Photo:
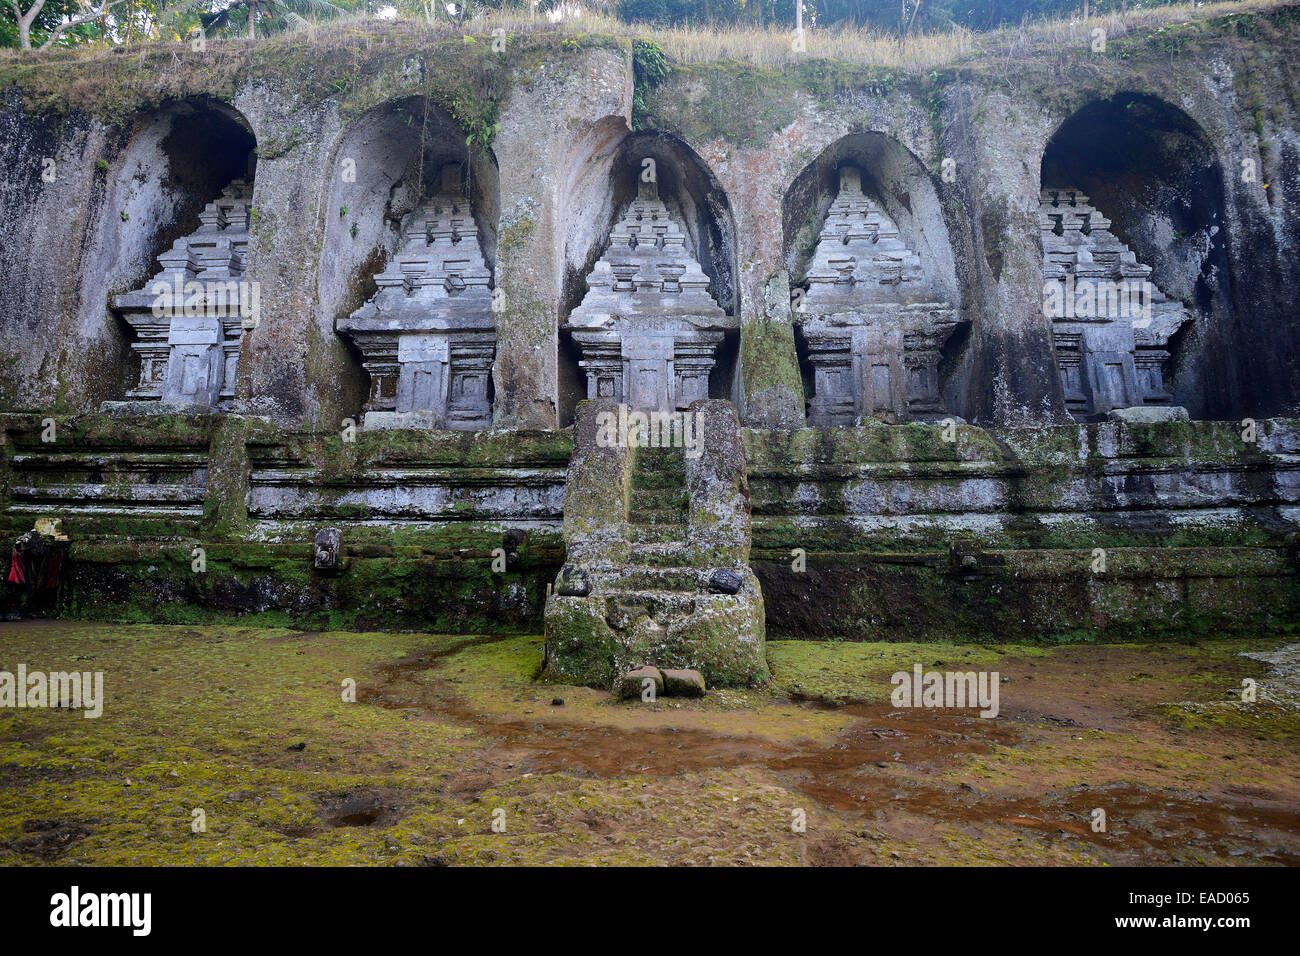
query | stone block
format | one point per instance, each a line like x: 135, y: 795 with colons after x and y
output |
x: 632, y: 684
x: 683, y: 683
x: 196, y: 365
x: 573, y: 581
x: 384, y: 421
x: 725, y: 581
x: 718, y: 488
x: 596, y: 491
x: 131, y: 409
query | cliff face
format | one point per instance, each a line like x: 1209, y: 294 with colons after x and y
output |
x: 1185, y: 136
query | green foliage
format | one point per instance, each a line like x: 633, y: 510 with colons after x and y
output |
x: 483, y: 131
x: 52, y: 14
x: 649, y: 69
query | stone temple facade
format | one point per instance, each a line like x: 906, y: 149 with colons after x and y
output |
x: 1110, y: 323
x: 428, y: 336
x: 873, y: 327
x: 676, y: 554
x: 191, y: 317
x: 648, y: 328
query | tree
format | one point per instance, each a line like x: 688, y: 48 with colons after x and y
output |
x: 242, y: 16
x: 86, y: 13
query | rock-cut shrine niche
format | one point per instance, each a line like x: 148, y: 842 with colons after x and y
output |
x: 872, y: 324
x: 428, y: 335
x: 1110, y: 323
x: 191, y: 317
x: 648, y: 329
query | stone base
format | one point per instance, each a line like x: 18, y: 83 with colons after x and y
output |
x: 383, y: 421
x: 1147, y: 414
x: 937, y: 418
x: 592, y: 640
x: 154, y: 407
x: 427, y: 420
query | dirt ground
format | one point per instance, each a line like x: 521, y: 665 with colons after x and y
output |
x: 228, y: 745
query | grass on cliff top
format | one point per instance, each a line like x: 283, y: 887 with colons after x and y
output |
x: 769, y: 47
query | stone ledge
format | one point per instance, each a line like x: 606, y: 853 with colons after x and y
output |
x: 1147, y: 414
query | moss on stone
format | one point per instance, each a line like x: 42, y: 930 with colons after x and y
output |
x: 768, y: 359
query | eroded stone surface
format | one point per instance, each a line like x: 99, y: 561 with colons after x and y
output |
x: 633, y: 684
x: 683, y: 683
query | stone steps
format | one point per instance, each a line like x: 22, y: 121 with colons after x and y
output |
x: 659, y: 508
x: 656, y: 533
x: 659, y: 515
x: 629, y: 579
x: 645, y: 579
x: 657, y: 597
x: 661, y: 554
x: 660, y: 461
x: 654, y: 480
x: 659, y: 472
x: 656, y: 602
x: 666, y: 502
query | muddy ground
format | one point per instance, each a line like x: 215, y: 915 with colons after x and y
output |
x: 453, y: 754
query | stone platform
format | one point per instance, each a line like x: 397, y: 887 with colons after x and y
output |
x: 657, y: 548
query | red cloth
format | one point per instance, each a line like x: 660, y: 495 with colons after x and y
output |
x: 16, y: 575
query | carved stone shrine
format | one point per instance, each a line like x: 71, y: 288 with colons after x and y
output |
x: 873, y: 326
x: 648, y: 328
x: 190, y: 318
x: 428, y: 336
x: 1110, y: 324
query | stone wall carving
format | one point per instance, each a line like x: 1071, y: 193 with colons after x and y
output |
x: 873, y: 327
x: 1110, y: 323
x: 648, y: 328
x: 190, y: 318
x: 428, y: 336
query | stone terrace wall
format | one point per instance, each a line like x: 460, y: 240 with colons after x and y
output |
x: 905, y: 535
x: 423, y: 517
x: 997, y: 532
